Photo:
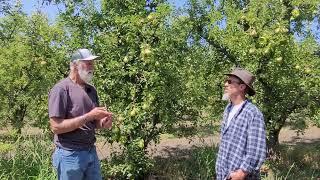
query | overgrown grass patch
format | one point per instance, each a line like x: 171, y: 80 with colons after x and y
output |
x: 194, y: 163
x: 300, y: 161
x: 30, y: 158
x: 27, y: 159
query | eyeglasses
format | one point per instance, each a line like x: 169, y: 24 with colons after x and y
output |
x: 229, y: 81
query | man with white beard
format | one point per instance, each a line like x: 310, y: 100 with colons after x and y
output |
x: 74, y: 114
x: 242, y: 148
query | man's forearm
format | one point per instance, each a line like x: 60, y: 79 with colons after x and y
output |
x: 59, y: 126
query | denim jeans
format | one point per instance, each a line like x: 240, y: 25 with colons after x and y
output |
x: 76, y: 165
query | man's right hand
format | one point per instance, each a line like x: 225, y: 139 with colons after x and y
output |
x: 97, y: 113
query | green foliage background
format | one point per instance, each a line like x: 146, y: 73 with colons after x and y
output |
x: 163, y: 67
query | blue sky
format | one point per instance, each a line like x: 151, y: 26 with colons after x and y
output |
x: 52, y: 10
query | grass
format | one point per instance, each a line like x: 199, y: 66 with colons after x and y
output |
x: 30, y: 158
x: 27, y: 159
x: 300, y: 161
x: 195, y: 163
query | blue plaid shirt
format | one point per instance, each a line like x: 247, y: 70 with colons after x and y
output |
x: 242, y: 143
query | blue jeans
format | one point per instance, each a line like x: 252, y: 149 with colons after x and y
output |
x: 77, y: 165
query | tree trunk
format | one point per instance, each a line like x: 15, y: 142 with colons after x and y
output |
x: 273, y: 142
x: 17, y: 120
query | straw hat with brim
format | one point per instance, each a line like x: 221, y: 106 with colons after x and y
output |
x: 83, y: 55
x: 246, y: 77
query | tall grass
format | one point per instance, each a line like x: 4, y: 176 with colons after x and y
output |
x: 30, y: 158
x: 195, y: 163
x: 300, y: 161
x: 27, y: 158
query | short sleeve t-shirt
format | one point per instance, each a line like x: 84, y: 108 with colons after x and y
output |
x: 234, y: 110
x: 69, y: 100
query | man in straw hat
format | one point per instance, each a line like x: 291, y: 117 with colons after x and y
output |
x: 242, y: 148
x: 74, y: 114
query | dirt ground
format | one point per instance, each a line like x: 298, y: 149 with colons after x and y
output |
x: 168, y: 146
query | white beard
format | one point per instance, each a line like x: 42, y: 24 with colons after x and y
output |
x: 225, y: 97
x: 86, y: 76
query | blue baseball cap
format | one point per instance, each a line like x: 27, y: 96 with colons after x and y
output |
x: 83, y: 54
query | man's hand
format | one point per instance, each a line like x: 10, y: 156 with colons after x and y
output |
x: 238, y: 175
x: 106, y: 122
x: 97, y: 113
